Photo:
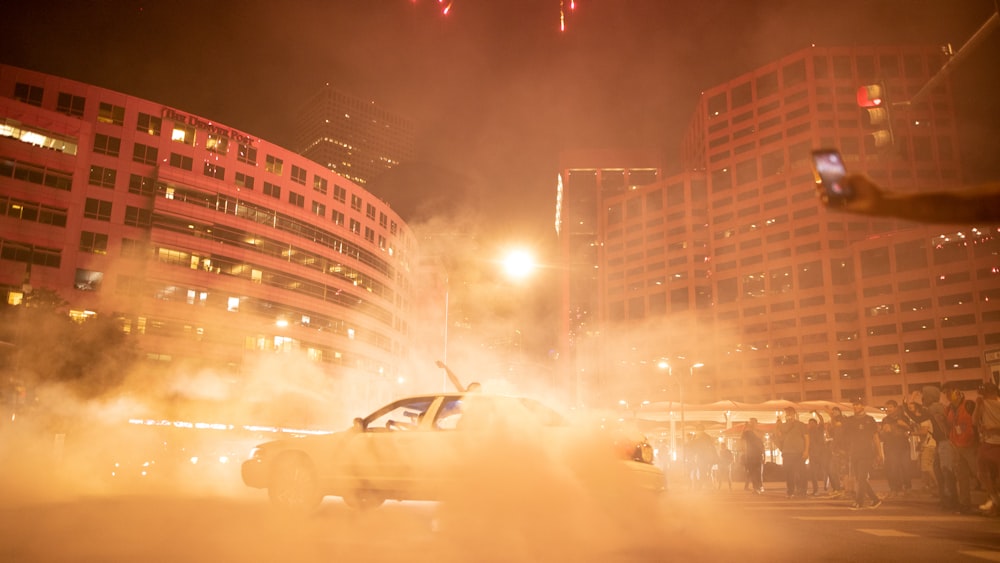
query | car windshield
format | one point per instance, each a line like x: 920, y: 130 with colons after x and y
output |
x: 401, y: 415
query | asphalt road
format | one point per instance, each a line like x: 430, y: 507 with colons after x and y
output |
x: 683, y: 526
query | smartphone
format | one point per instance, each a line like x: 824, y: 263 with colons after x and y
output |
x: 829, y: 171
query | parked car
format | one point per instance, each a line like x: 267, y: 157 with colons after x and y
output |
x: 426, y: 447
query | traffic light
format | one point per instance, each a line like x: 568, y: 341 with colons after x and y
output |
x: 875, y: 114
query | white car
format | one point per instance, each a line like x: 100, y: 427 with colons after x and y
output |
x: 426, y: 447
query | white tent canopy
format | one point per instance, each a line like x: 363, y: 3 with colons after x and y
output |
x: 729, y: 412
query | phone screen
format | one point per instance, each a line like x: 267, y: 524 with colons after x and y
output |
x: 829, y: 169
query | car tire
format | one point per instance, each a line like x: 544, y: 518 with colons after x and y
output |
x: 363, y: 499
x: 293, y: 485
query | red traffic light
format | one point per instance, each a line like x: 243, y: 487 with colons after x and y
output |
x: 870, y: 96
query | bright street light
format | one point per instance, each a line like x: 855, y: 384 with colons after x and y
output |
x: 518, y: 264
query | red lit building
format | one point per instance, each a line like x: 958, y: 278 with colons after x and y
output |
x: 734, y: 263
x: 213, y: 245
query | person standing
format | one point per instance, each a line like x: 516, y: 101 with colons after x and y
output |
x: 818, y: 454
x: 839, y: 456
x: 865, y: 451
x: 793, y: 437
x: 943, y: 451
x: 753, y: 448
x: 965, y: 444
x: 987, y: 420
x: 896, y: 445
x: 702, y: 448
x: 924, y: 431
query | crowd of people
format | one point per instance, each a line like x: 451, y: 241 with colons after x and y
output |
x: 936, y: 443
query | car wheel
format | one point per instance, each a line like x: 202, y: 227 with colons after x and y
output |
x: 362, y: 499
x: 294, y: 486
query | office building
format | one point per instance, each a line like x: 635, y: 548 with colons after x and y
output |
x: 354, y: 137
x: 215, y: 247
x: 735, y: 264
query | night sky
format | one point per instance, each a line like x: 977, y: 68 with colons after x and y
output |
x: 495, y: 89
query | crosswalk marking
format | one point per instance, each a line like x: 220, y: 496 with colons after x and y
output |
x: 981, y: 554
x: 880, y: 516
x: 886, y: 533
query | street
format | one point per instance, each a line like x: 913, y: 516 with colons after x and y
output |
x: 685, y: 526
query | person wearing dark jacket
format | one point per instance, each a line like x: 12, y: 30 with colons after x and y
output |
x: 865, y: 452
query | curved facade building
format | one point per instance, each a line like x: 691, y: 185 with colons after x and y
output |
x: 213, y: 246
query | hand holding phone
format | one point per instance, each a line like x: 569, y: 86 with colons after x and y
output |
x: 829, y: 171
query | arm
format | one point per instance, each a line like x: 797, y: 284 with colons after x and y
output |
x: 878, y: 446
x: 971, y: 205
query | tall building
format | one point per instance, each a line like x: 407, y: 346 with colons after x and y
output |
x: 351, y: 136
x: 736, y: 265
x: 215, y: 247
x: 586, y: 178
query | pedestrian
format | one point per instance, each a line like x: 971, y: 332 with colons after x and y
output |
x: 793, y: 439
x: 927, y: 446
x: 987, y: 420
x: 702, y: 448
x: 895, y: 435
x: 725, y: 467
x: 865, y: 452
x: 839, y: 466
x: 943, y: 452
x: 965, y: 445
x: 753, y: 449
x: 818, y: 454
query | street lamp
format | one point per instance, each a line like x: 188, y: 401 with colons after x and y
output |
x: 664, y: 364
x: 518, y: 264
x: 681, y: 388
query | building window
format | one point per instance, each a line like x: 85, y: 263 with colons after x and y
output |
x: 217, y: 144
x: 183, y: 133
x: 272, y: 190
x: 96, y: 243
x: 383, y: 220
x: 369, y: 234
x: 149, y: 124
x: 141, y: 185
x: 298, y: 200
x: 318, y: 209
x: 244, y: 180
x: 355, y: 226
x: 215, y: 171
x: 144, y: 154
x: 97, y: 209
x: 70, y: 104
x: 339, y: 193
x: 109, y: 113
x: 105, y: 144
x: 101, y: 176
x: 274, y: 165
x: 319, y: 184
x: 247, y: 154
x: 370, y: 211
x: 958, y: 320
x: 298, y: 175
x: 355, y: 202
x: 794, y: 73
x: 717, y: 104
x: 181, y: 161
x: 135, y: 217
x: 28, y: 94
x: 337, y: 217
